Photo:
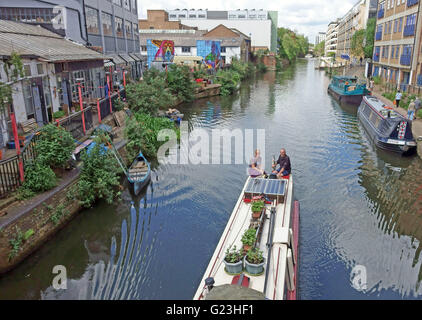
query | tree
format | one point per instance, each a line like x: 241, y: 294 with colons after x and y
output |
x: 319, y: 49
x: 291, y: 44
x: 357, y: 44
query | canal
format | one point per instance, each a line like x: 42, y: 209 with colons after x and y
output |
x: 359, y: 207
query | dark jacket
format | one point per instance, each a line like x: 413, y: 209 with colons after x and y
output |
x: 284, y: 162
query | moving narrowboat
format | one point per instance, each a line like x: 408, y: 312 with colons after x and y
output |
x: 387, y: 128
x: 139, y: 174
x: 276, y: 230
x: 348, y: 90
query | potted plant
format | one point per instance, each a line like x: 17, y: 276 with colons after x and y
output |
x: 257, y: 207
x: 254, y: 262
x: 248, y: 239
x: 233, y: 261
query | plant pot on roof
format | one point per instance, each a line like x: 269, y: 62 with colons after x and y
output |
x: 254, y: 262
x: 257, y: 208
x: 248, y: 239
x: 233, y: 261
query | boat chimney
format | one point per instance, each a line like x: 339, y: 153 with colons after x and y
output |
x: 209, y: 282
x: 389, y: 114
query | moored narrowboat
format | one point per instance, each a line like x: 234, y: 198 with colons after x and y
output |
x: 348, y: 90
x: 388, y: 129
x: 276, y: 230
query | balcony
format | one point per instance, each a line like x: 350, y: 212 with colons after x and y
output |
x: 405, y: 59
x: 380, y: 13
x: 411, y: 3
x: 378, y: 36
x: 409, y: 30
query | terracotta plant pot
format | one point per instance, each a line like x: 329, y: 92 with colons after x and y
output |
x: 257, y: 214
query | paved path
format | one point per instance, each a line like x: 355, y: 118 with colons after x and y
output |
x: 416, y: 124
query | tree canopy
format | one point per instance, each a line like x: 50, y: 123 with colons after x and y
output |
x: 291, y: 44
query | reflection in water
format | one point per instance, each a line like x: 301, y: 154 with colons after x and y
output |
x: 359, y: 206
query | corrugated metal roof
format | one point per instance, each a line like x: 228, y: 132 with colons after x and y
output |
x: 29, y: 40
x: 117, y: 59
x: 126, y: 57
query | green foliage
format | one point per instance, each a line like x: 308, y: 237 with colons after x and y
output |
x: 257, y: 206
x: 14, y: 61
x: 377, y: 80
x: 149, y: 95
x: 119, y: 105
x: 58, y: 214
x: 38, y: 178
x: 16, y: 243
x: 200, y: 73
x: 255, y: 256
x: 233, y: 255
x: 29, y: 233
x: 141, y: 132
x: 54, y: 146
x: 370, y: 37
x: 291, y: 45
x: 99, y: 178
x: 229, y: 81
x: 5, y: 96
x: 357, y: 43
x: 180, y: 82
x: 249, y: 237
x: 319, y: 49
x: 59, y: 114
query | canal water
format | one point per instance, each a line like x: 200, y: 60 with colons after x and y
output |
x: 360, y: 208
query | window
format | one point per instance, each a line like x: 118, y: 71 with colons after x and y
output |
x: 395, y: 25
x: 201, y: 16
x: 173, y: 16
x: 223, y: 49
x: 118, y: 2
x: 128, y: 28
x: 397, y: 52
x: 27, y: 70
x: 40, y: 69
x: 43, y: 15
x: 92, y: 20
x: 107, y: 27
x: 135, y: 29
x: 192, y: 16
x: 144, y: 48
x: 118, y: 25
x: 126, y: 4
x: 185, y: 49
x: 133, y: 4
x: 27, y: 95
x: 47, y: 93
x: 400, y: 24
x: 182, y: 16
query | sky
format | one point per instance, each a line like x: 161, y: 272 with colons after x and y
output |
x: 308, y: 17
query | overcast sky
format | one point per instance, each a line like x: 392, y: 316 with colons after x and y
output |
x: 306, y: 16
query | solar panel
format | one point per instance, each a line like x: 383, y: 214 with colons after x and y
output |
x: 272, y: 188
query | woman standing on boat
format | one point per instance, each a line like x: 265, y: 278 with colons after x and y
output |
x: 255, y: 169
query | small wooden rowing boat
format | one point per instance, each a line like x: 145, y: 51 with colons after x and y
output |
x: 139, y: 174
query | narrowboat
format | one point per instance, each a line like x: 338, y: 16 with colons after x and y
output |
x: 348, y: 90
x: 139, y: 174
x: 276, y: 230
x: 388, y: 129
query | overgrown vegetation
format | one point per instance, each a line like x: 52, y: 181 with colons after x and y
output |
x: 319, y: 49
x: 54, y: 146
x: 141, y: 132
x: 17, y: 241
x: 99, y: 178
x: 231, y: 78
x: 291, y: 44
x: 180, y: 82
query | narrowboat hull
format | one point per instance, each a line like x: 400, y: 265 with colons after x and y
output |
x: 400, y: 147
x: 354, y: 99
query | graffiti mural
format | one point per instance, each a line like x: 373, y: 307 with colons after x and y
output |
x: 210, y: 51
x: 160, y: 51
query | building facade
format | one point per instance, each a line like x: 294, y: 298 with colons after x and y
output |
x: 320, y: 37
x: 53, y: 70
x: 396, y: 55
x: 331, y: 38
x: 110, y: 26
x: 259, y: 25
x: 355, y: 19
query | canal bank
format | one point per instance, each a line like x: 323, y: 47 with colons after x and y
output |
x: 359, y: 206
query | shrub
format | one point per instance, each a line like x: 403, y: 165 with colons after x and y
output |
x: 249, y: 237
x: 233, y: 255
x: 54, y: 146
x: 180, y: 82
x: 141, y: 132
x: 38, y: 178
x: 149, y: 95
x: 99, y: 177
x: 377, y: 80
x: 59, y: 114
x: 229, y: 80
x: 255, y: 256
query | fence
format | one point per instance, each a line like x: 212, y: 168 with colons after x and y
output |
x: 408, y: 88
x: 9, y: 168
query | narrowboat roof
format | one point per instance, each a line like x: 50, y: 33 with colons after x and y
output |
x: 381, y: 108
x: 344, y: 78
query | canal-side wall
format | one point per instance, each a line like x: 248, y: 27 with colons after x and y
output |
x: 27, y: 227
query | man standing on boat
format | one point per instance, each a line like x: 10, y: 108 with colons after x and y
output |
x: 398, y: 98
x: 284, y: 165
